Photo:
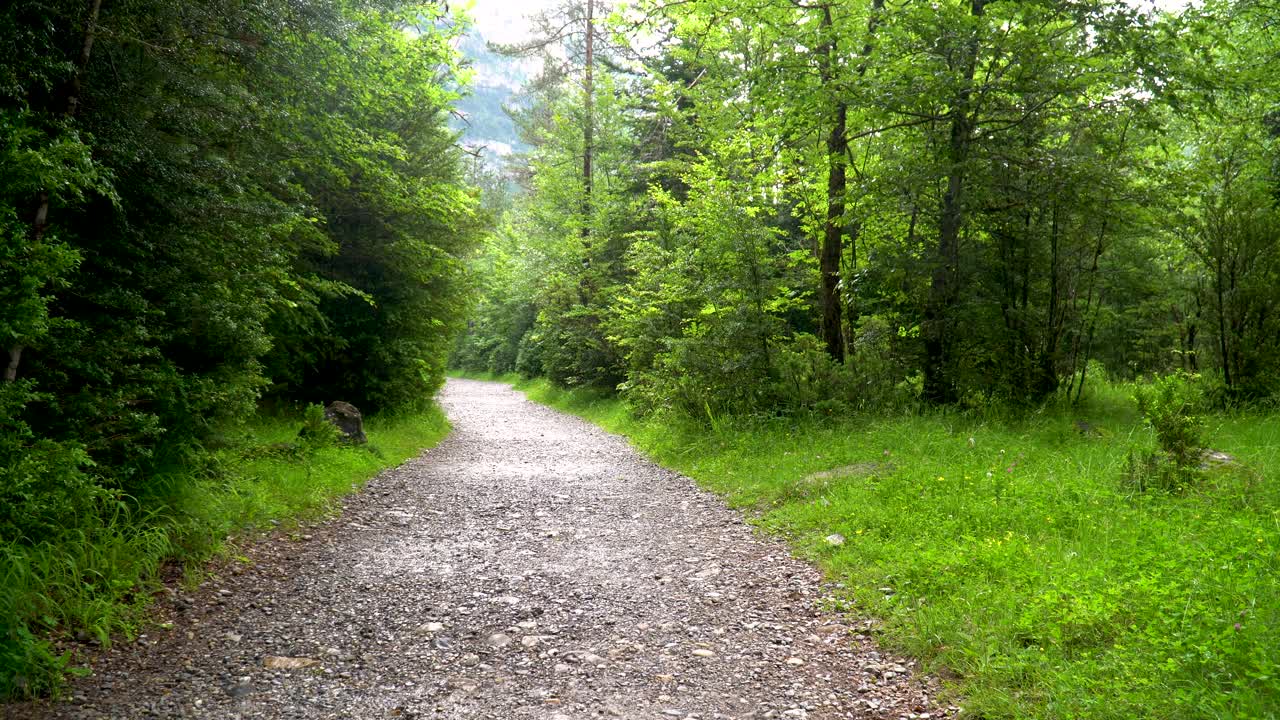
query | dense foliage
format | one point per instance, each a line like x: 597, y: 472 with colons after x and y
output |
x: 203, y: 204
x: 839, y: 205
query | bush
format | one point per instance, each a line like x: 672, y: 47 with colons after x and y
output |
x: 878, y: 362
x: 45, y: 486
x: 529, y: 355
x: 1168, y: 405
x: 808, y: 378
x: 317, y: 432
x: 28, y: 665
x: 721, y: 364
x: 45, y: 491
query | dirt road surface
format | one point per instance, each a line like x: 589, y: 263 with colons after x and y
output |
x: 530, y: 566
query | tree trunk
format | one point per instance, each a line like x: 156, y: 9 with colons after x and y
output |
x: 11, y: 370
x: 939, y: 385
x: 836, y: 227
x: 589, y: 124
x: 1089, y: 317
x: 837, y: 183
x: 86, y: 48
x: 1223, y: 352
x: 1084, y: 368
x: 1047, y: 369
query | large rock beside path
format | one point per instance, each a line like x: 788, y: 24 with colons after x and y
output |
x: 348, y: 420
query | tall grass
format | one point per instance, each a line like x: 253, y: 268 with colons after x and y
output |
x: 1008, y: 553
x: 95, y: 581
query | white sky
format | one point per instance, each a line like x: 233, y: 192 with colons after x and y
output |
x: 504, y: 21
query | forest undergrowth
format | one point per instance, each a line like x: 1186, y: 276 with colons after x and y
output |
x: 94, y: 584
x: 1012, y: 553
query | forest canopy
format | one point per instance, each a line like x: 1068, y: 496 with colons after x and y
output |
x: 206, y: 203
x: 780, y: 205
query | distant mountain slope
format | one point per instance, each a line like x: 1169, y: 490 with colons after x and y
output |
x: 497, y: 79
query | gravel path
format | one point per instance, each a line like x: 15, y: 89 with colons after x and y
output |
x: 531, y: 566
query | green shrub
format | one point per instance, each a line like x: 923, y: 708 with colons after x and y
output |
x: 317, y: 432
x: 881, y: 374
x: 808, y: 378
x: 1169, y: 406
x: 44, y: 484
x: 29, y: 667
x: 46, y: 489
x: 529, y: 355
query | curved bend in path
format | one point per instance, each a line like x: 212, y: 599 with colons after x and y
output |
x: 530, y: 566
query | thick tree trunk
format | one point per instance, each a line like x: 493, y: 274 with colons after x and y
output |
x: 833, y: 238
x: 939, y: 385
x: 833, y: 230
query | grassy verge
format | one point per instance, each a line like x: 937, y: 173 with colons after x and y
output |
x: 1009, y: 555
x: 95, y: 581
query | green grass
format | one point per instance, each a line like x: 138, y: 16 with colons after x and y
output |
x: 96, y: 581
x: 1008, y: 554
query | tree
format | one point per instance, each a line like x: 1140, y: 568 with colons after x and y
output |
x: 567, y: 41
x: 986, y: 190
x: 187, y: 152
